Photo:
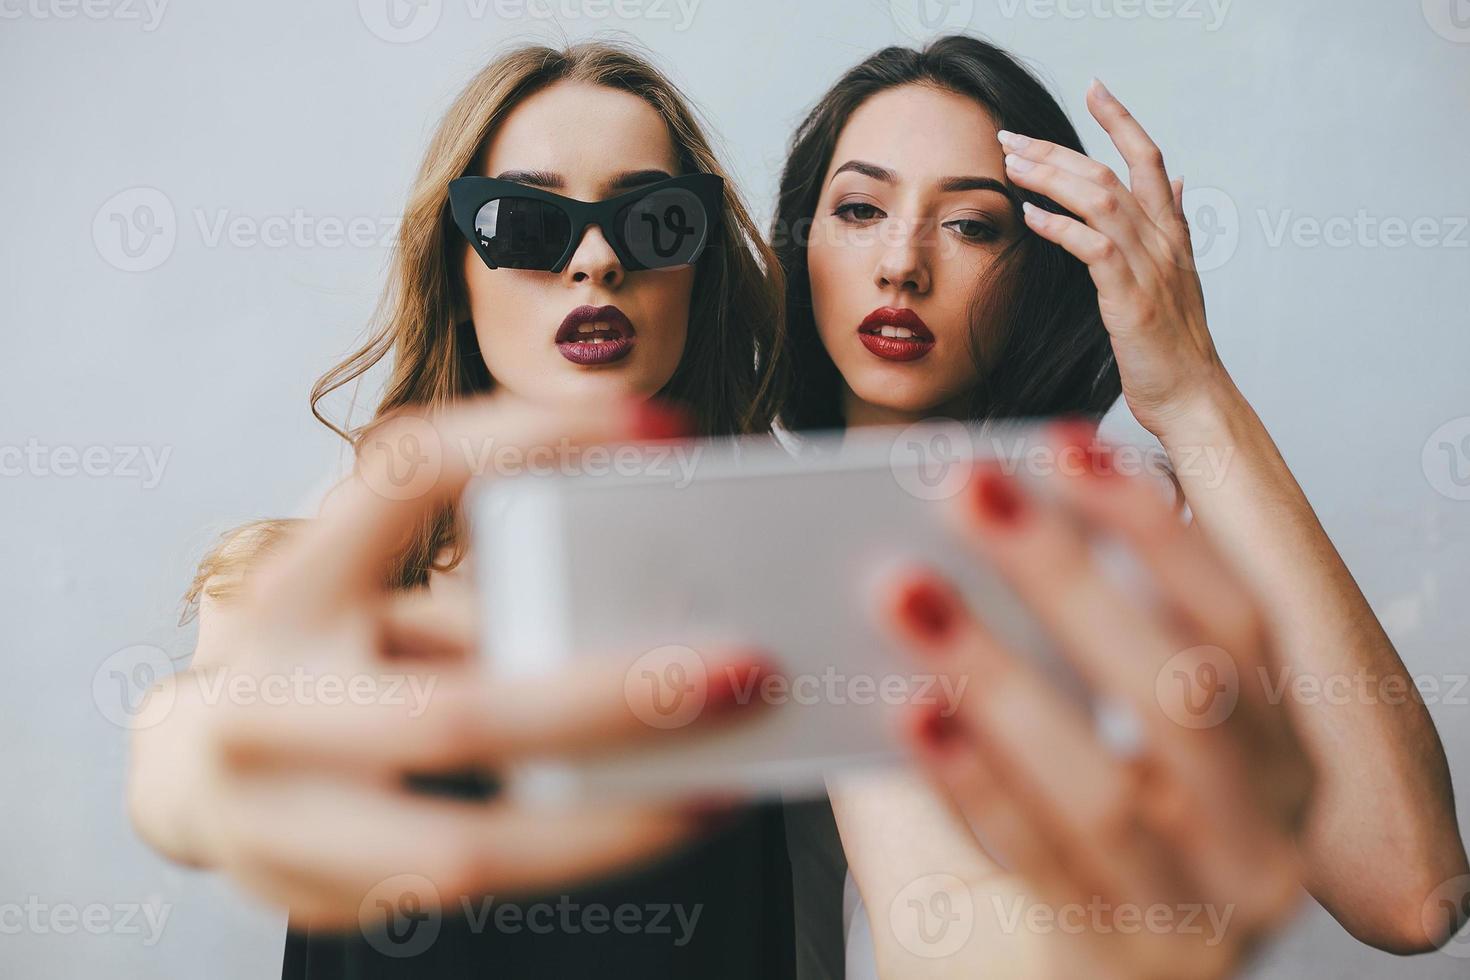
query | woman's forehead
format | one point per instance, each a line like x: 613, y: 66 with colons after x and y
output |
x: 920, y: 129
x: 587, y: 134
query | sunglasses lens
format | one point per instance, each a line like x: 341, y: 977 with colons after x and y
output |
x: 521, y: 233
x: 665, y: 229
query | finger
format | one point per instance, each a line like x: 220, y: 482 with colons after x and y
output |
x: 1235, y: 854
x: 1211, y: 608
x: 955, y: 764
x: 1216, y: 815
x: 1041, y: 742
x: 1105, y: 263
x: 1004, y: 818
x: 999, y: 813
x: 407, y: 469
x: 291, y: 845
x: 1065, y: 159
x: 1043, y: 553
x: 1208, y: 602
x: 1108, y: 209
x: 1179, y: 230
x: 430, y: 625
x: 1146, y: 172
x: 1119, y: 646
x: 456, y: 718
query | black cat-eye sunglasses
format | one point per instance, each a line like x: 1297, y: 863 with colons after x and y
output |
x: 514, y: 226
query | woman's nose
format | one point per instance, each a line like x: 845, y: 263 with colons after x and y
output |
x: 595, y: 261
x: 904, y: 264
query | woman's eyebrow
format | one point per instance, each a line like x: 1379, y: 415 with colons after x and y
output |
x: 947, y: 185
x: 637, y: 178
x: 533, y: 178
x: 553, y: 181
x: 867, y: 170
x: 951, y: 184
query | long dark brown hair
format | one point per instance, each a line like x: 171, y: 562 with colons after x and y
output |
x: 1036, y: 306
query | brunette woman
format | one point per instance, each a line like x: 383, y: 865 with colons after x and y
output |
x: 950, y: 251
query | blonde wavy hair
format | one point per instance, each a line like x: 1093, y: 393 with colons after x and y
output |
x: 732, y: 377
x: 221, y: 573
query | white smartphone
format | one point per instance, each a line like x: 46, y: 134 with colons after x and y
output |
x: 741, y: 542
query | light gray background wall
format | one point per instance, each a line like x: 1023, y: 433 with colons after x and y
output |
x: 1346, y: 117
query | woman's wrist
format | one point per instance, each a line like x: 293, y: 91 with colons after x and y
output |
x: 1216, y: 415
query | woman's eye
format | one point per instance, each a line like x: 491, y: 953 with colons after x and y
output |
x: 857, y: 211
x: 974, y: 229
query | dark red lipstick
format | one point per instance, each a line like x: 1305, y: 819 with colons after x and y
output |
x: 896, y: 334
x: 595, y: 335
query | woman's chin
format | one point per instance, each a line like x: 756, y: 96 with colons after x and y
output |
x: 906, y: 397
x: 608, y: 382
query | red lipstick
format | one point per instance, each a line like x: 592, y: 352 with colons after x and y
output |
x: 895, y: 334
x: 595, y: 335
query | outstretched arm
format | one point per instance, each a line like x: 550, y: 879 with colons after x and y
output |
x: 1382, y: 835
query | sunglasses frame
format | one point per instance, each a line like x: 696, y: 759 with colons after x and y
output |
x: 467, y: 195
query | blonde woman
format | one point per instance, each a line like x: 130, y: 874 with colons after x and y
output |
x: 570, y: 246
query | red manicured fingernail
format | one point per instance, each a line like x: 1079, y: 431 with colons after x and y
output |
x: 662, y: 420
x: 1075, y: 433
x: 934, y: 728
x: 996, y: 497
x: 735, y: 685
x: 928, y: 609
x: 1080, y: 435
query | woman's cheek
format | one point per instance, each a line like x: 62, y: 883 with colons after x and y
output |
x: 507, y: 322
x: 825, y: 270
x: 673, y: 340
x: 660, y: 305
